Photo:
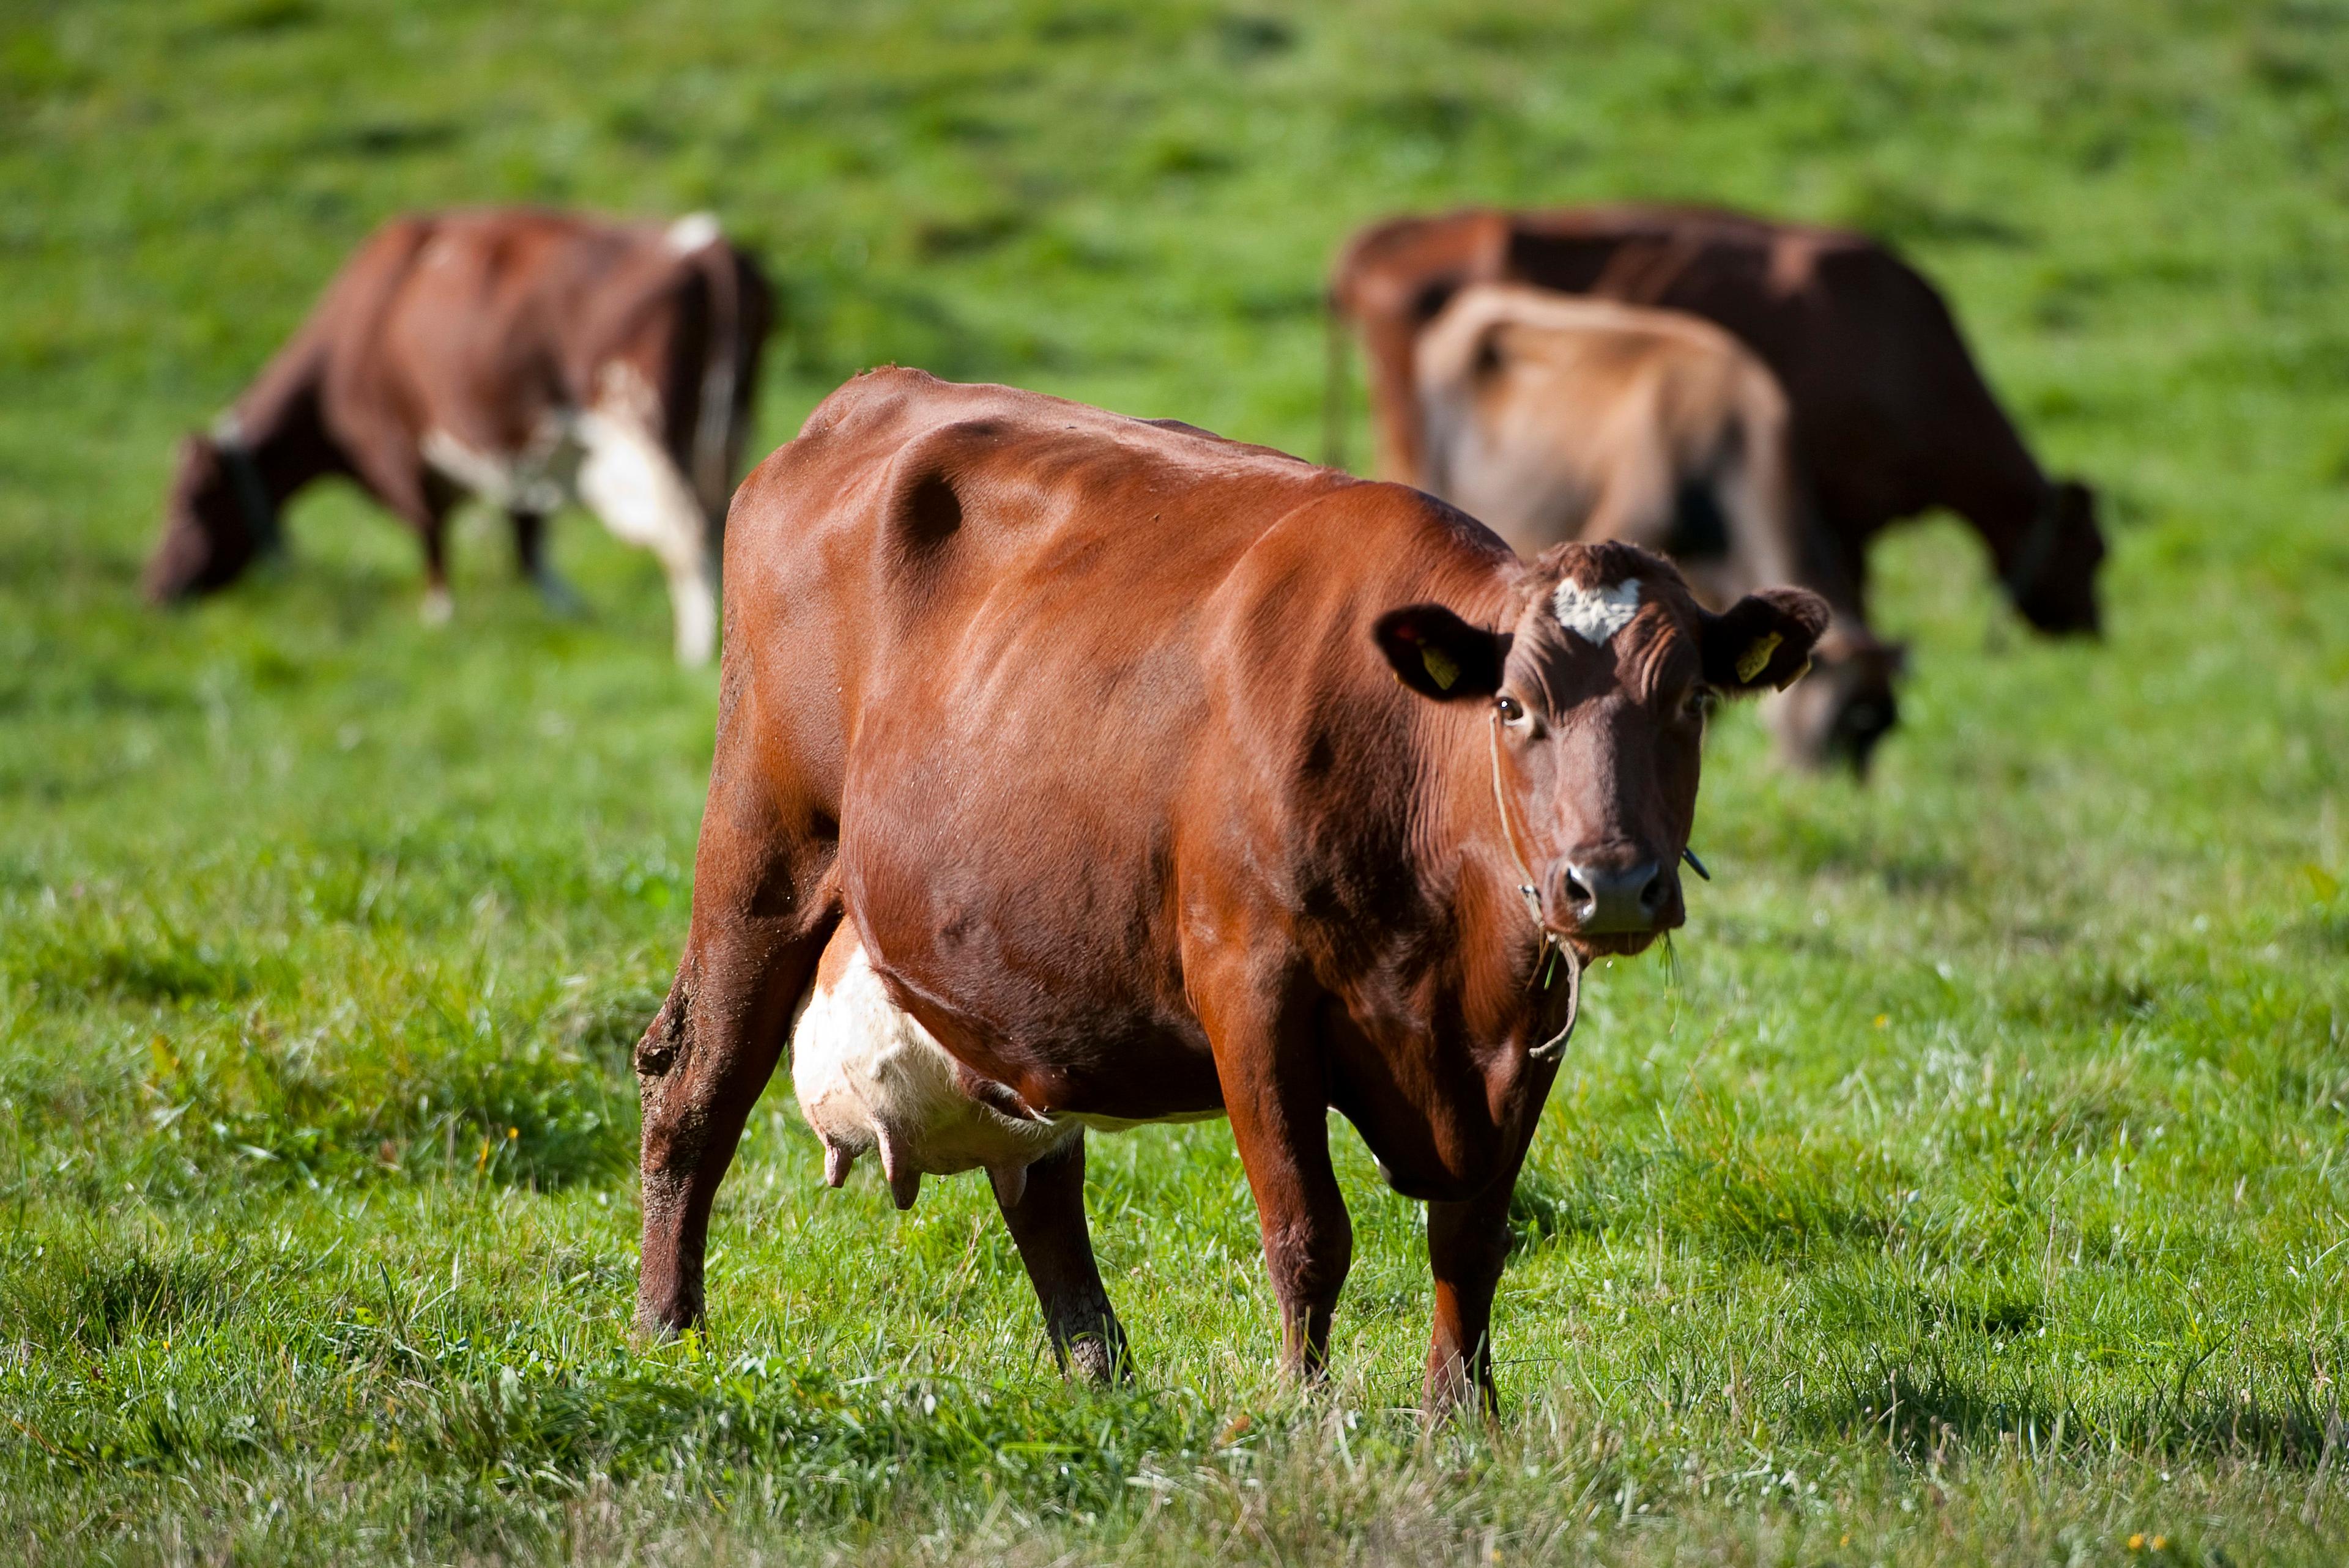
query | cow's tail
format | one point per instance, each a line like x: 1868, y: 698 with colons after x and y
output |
x: 711, y: 459
x: 1333, y: 381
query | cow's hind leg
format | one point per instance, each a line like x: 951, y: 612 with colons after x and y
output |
x: 762, y: 910
x: 628, y: 481
x: 1048, y: 1223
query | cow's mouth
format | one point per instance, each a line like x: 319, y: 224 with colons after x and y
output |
x: 1614, y: 943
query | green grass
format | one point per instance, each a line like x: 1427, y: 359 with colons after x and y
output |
x: 1974, y: 1188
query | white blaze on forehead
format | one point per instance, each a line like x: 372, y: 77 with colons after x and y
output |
x: 1596, y: 615
x: 692, y: 231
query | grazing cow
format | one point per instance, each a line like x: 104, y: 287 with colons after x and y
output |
x: 1079, y: 740
x: 1891, y: 417
x: 1550, y: 417
x: 523, y: 358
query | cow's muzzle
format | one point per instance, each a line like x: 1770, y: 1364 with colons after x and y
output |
x: 1594, y: 898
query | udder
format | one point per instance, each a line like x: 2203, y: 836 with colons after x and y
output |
x: 869, y: 1077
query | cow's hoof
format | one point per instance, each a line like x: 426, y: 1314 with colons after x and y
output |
x: 655, y: 1328
x: 1096, y: 1360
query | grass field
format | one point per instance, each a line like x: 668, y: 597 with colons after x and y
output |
x: 1974, y: 1189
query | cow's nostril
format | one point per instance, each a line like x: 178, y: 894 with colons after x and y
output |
x: 1602, y: 899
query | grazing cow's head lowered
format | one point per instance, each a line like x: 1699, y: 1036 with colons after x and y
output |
x: 217, y: 518
x: 1835, y: 714
x: 1596, y: 699
x: 2051, y: 573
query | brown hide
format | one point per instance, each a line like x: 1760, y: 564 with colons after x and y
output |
x: 489, y: 330
x: 1554, y: 417
x: 1891, y: 416
x: 1091, y: 727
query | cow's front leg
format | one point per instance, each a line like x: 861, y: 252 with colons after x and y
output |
x: 1048, y: 1224
x: 1467, y: 1246
x: 1277, y: 1095
x: 1308, y: 1241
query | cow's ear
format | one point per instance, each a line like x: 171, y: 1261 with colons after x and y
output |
x: 1763, y: 640
x: 1438, y: 655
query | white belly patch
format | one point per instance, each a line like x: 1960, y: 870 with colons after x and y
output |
x: 869, y: 1077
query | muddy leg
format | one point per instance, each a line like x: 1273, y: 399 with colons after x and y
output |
x: 1048, y: 1224
x: 759, y: 921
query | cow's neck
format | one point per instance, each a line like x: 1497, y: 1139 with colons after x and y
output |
x: 273, y: 441
x: 1461, y: 1084
x: 2011, y: 502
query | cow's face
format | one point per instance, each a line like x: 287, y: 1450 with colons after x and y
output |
x: 1594, y: 709
x: 206, y: 540
x: 1835, y: 715
x: 2054, y: 576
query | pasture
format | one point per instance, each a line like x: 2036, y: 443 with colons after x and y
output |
x: 1970, y: 1185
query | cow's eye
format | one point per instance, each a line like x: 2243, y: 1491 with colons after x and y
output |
x: 1509, y: 708
x: 1697, y: 706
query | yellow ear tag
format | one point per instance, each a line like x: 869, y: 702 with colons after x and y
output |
x: 1756, y: 657
x: 1440, y: 669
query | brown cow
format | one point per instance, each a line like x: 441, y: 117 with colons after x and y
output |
x: 1550, y: 417
x: 524, y: 357
x: 1891, y: 417
x: 1088, y: 731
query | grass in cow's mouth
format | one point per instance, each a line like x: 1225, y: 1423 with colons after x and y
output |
x: 1977, y: 1191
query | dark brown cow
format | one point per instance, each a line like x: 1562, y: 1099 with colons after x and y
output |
x: 1891, y: 417
x: 523, y: 358
x: 1086, y: 731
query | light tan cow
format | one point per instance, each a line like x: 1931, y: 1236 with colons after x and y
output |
x: 1552, y: 418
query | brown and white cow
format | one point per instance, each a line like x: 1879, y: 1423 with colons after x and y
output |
x: 1552, y: 416
x: 527, y: 358
x: 1079, y: 740
x: 1891, y: 416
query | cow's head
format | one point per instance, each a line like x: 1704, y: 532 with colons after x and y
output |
x: 2051, y: 577
x: 208, y: 537
x: 1835, y: 715
x: 1595, y: 702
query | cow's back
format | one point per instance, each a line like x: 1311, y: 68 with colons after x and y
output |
x: 1539, y: 407
x: 500, y: 316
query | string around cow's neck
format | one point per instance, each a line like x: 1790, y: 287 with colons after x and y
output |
x: 1555, y: 951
